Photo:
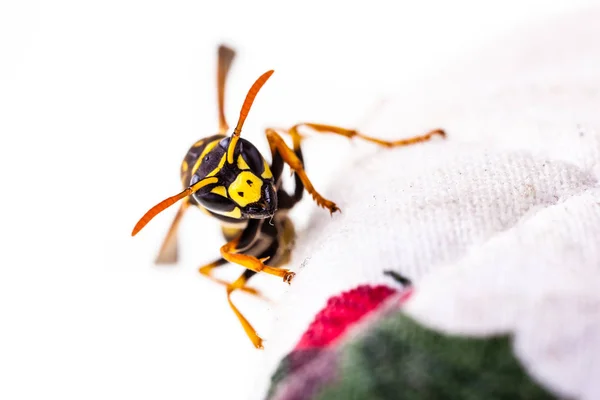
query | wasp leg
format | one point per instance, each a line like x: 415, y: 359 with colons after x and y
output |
x: 169, y: 253
x: 290, y: 158
x: 286, y: 201
x: 350, y: 133
x: 229, y: 251
x: 207, y: 269
x: 239, y: 284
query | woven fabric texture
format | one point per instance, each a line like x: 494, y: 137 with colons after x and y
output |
x: 498, y: 226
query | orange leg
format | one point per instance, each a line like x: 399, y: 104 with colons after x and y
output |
x: 207, y: 269
x: 289, y: 157
x: 168, y: 253
x: 228, y: 252
x: 350, y: 133
x: 250, y: 331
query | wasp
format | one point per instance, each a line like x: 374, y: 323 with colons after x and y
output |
x: 227, y: 177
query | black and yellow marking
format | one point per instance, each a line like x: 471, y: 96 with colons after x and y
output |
x: 195, y: 154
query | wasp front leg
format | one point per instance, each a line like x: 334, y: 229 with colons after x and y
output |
x: 280, y: 149
x: 231, y: 252
x: 239, y: 284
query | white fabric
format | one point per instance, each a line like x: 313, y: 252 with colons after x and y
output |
x: 498, y: 225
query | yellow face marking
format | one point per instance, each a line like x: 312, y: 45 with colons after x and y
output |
x: 184, y: 166
x: 199, y: 143
x: 241, y: 163
x: 235, y: 213
x: 221, y: 163
x: 267, y: 172
x: 245, y: 189
x: 208, y: 148
x: 220, y: 190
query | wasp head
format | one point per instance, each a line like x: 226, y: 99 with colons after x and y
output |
x: 245, y: 187
x: 232, y: 178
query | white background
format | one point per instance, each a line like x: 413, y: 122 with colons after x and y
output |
x: 99, y: 102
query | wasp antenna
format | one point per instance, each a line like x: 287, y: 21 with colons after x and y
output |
x: 250, y: 99
x: 168, y: 202
x: 244, y: 112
